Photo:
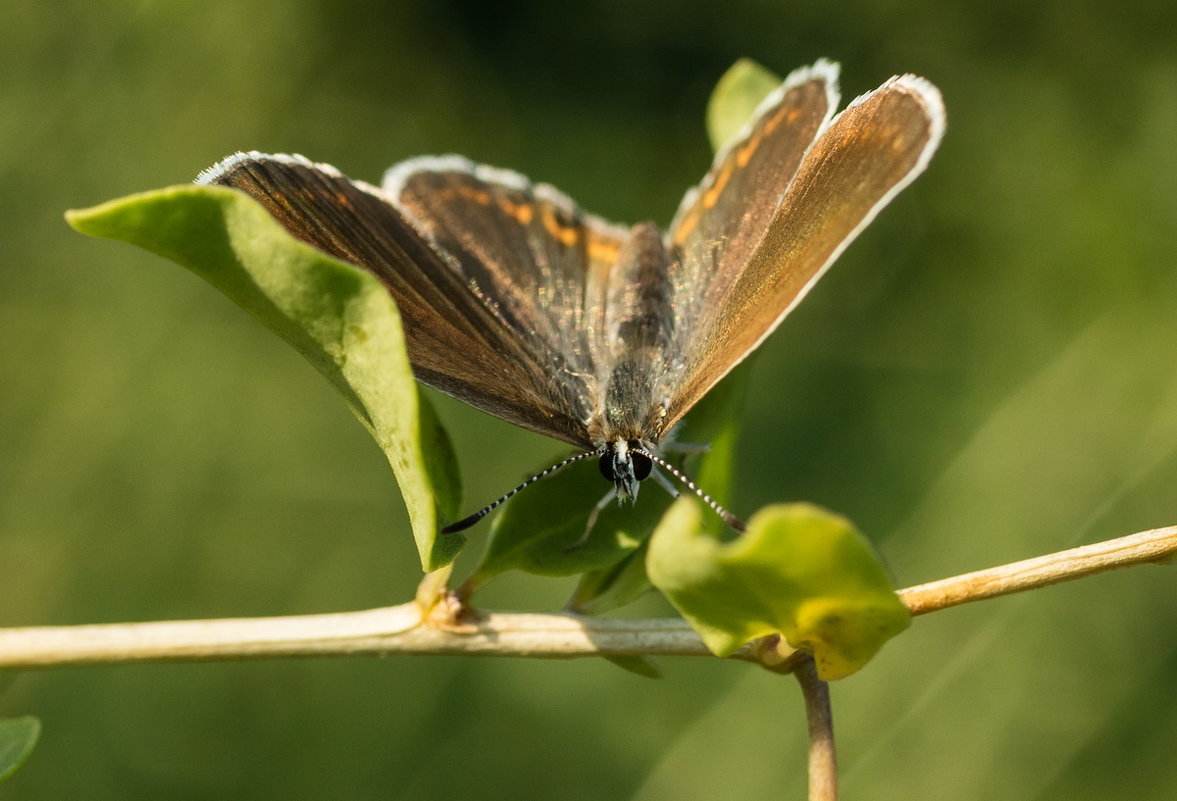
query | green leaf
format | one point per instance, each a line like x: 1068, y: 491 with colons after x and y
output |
x: 799, y: 571
x: 612, y: 586
x: 336, y: 315
x: 735, y: 98
x: 637, y: 665
x: 716, y: 422
x: 541, y: 530
x: 18, y: 736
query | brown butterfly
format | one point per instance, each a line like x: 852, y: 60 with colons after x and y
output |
x: 521, y: 304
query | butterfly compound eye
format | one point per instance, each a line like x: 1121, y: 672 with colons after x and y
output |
x: 641, y: 466
x: 606, y: 466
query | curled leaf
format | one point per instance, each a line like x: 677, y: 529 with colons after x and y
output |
x: 799, y: 571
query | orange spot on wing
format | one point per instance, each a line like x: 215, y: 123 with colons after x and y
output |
x: 783, y: 116
x: 712, y: 195
x: 687, y: 225
x: 566, y: 235
x: 479, y: 196
x: 744, y: 153
x: 602, y: 250
x: 772, y: 122
x: 522, y: 212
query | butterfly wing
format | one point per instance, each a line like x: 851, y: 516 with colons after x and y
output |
x: 815, y: 184
x: 544, y: 267
x: 470, y: 328
x: 722, y: 219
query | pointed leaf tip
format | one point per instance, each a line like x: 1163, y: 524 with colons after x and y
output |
x: 18, y: 737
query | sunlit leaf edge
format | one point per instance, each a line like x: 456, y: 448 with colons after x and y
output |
x: 337, y: 316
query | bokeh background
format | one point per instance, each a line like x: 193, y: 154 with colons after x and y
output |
x: 990, y: 373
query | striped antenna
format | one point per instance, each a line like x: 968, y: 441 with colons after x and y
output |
x: 727, y: 516
x: 465, y: 523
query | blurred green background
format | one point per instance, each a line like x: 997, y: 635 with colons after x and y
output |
x: 989, y: 374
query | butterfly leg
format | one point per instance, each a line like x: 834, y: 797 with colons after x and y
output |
x: 686, y: 447
x: 592, y: 519
x: 665, y: 483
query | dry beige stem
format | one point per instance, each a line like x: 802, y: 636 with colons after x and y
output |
x: 1157, y: 545
x: 403, y: 629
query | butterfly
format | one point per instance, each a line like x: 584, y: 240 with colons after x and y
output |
x: 523, y: 305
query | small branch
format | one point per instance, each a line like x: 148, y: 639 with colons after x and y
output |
x: 1157, y: 545
x: 404, y: 630
x: 823, y: 761
x: 391, y: 630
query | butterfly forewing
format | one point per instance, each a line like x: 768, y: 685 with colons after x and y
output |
x: 721, y: 222
x: 860, y: 161
x: 456, y: 342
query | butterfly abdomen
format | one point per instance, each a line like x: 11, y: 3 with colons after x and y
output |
x: 639, y: 328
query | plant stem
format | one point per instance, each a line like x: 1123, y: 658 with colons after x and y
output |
x: 823, y: 761
x: 1157, y: 545
x: 406, y: 629
x: 391, y: 630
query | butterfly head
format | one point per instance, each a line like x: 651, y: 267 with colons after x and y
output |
x: 626, y: 464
